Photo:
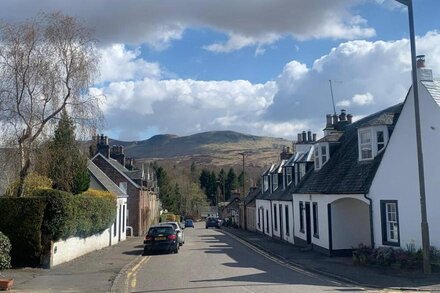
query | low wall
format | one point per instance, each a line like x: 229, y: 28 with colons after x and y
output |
x: 65, y: 250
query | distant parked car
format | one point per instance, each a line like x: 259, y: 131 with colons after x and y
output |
x: 161, y: 238
x: 212, y: 222
x: 189, y: 223
x: 179, y: 231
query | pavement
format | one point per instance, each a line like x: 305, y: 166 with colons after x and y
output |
x: 340, y: 268
x: 93, y: 272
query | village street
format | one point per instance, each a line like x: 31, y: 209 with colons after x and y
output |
x: 212, y: 261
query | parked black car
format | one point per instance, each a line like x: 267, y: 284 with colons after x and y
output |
x: 161, y: 238
x: 212, y: 222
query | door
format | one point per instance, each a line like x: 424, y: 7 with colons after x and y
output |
x: 308, y: 224
x: 120, y: 223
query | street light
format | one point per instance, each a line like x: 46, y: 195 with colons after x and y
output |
x: 424, y: 223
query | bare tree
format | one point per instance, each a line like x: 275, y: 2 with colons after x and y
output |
x: 46, y: 65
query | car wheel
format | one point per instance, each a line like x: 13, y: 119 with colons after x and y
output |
x: 176, y: 250
x: 180, y: 243
x: 145, y: 253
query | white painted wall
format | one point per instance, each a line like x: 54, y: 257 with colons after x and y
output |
x: 265, y: 206
x: 66, y: 250
x: 397, y: 176
x: 275, y: 220
x: 71, y: 248
x: 350, y: 223
x: 323, y: 200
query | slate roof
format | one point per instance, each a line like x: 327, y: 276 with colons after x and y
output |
x: 344, y: 173
x: 118, y: 167
x: 433, y: 88
x: 283, y: 194
x: 106, y: 182
x: 252, y: 195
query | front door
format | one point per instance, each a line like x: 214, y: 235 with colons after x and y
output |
x: 280, y: 210
x: 308, y: 224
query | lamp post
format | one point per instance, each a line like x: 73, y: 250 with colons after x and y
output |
x: 424, y: 217
x: 243, y: 154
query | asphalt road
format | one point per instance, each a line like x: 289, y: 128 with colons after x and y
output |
x: 211, y: 261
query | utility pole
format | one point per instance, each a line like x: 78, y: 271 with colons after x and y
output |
x: 415, y: 83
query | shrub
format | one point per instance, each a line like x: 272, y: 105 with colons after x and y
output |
x: 32, y: 182
x: 21, y: 220
x: 5, y: 249
x: 99, y: 193
x: 362, y: 255
x: 383, y: 256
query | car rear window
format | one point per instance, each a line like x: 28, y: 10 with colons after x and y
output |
x: 160, y: 230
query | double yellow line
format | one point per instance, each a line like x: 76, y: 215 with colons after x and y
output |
x: 131, y: 274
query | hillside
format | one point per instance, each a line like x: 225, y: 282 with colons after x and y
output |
x: 214, y: 148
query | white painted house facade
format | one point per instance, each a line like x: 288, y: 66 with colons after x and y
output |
x: 364, y: 184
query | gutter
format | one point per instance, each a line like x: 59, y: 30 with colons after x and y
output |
x: 371, y: 219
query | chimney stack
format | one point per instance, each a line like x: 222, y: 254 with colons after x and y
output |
x: 299, y: 138
x: 329, y: 120
x: 304, y: 136
x: 423, y: 73
x: 350, y: 118
x: 309, y: 136
x: 102, y: 146
x: 314, y: 136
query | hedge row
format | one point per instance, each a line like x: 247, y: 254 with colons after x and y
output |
x: 21, y: 219
x: 50, y: 215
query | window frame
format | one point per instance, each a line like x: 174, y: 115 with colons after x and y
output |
x: 286, y: 219
x: 275, y: 222
x: 289, y: 177
x: 267, y: 221
x: 275, y: 179
x: 374, y: 140
x: 319, y: 155
x: 384, y: 204
x: 265, y: 183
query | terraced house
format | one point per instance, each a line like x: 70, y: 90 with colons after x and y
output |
x: 362, y: 187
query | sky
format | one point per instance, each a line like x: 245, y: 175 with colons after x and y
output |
x: 252, y: 66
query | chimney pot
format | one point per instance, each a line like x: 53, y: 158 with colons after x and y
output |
x: 342, y: 116
x: 314, y: 136
x: 349, y: 118
x: 304, y: 136
x: 309, y: 136
x: 335, y: 119
x: 288, y: 150
x: 420, y: 61
x: 299, y: 137
x: 329, y: 120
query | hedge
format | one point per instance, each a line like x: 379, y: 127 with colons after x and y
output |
x: 31, y: 223
x: 5, y: 250
x: 21, y: 219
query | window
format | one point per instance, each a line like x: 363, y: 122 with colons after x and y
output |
x: 267, y: 221
x: 323, y: 154
x: 275, y: 217
x: 123, y: 186
x: 286, y: 212
x: 372, y: 141
x: 265, y: 183
x: 366, y: 146
x: 302, y: 170
x: 274, y: 182
x: 315, y: 220
x: 259, y: 218
x: 115, y: 224
x: 124, y: 220
x: 301, y: 216
x: 317, y: 166
x: 289, y: 175
x: 380, y: 140
x: 390, y: 222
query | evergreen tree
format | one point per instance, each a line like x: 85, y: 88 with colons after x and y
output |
x: 231, y: 183
x: 67, y: 166
x: 241, y: 180
x: 222, y: 184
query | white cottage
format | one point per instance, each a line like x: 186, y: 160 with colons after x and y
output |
x: 364, y: 185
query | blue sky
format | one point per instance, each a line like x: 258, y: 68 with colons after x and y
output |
x: 253, y: 66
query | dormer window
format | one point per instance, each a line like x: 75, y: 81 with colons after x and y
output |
x: 274, y: 182
x: 265, y: 183
x: 372, y: 141
x: 321, y: 154
x: 289, y: 175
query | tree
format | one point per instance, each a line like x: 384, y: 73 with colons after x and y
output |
x: 231, y: 183
x: 46, y: 65
x: 67, y: 165
x: 222, y: 183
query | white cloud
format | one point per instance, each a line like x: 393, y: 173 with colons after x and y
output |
x: 246, y: 22
x: 369, y: 76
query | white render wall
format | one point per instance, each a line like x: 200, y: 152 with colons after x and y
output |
x: 265, y: 205
x: 397, y: 175
x: 323, y: 200
x: 71, y: 248
x: 66, y: 250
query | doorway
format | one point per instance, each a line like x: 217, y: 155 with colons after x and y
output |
x: 308, y: 224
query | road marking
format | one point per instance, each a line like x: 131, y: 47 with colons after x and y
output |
x: 283, y: 263
x: 131, y: 275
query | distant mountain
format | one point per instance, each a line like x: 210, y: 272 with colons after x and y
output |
x: 214, y: 147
